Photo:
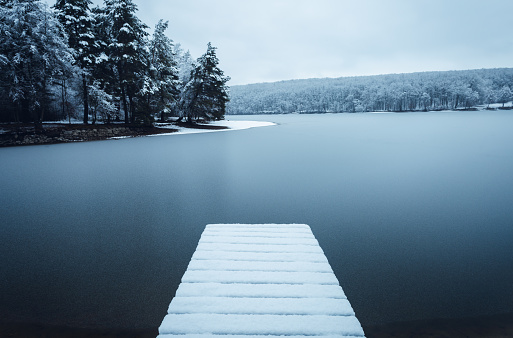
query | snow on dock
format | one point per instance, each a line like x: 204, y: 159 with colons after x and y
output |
x: 255, y: 280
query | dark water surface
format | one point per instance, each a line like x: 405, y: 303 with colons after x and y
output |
x: 413, y: 211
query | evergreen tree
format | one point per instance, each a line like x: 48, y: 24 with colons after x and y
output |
x: 206, y: 94
x: 126, y: 51
x: 104, y: 72
x: 33, y: 53
x: 78, y: 22
x: 185, y: 66
x: 160, y: 87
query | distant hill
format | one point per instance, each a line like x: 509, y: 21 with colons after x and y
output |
x: 394, y: 92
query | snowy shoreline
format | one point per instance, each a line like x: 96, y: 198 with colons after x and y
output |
x: 230, y: 126
x: 52, y: 133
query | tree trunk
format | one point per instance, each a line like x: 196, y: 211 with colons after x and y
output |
x: 41, y: 115
x: 131, y: 102
x: 86, y: 99
x: 125, y: 104
x: 63, y: 97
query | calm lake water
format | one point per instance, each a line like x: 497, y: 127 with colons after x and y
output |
x: 414, y: 212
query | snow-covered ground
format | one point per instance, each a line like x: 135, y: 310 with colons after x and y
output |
x: 232, y: 125
x: 497, y: 105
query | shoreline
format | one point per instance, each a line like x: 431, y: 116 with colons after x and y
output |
x: 12, y: 135
x: 493, y: 326
x: 215, y: 126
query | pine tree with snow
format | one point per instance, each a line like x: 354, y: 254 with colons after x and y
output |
x: 206, y: 94
x: 127, y: 51
x: 78, y: 22
x: 160, y: 88
x: 33, y: 54
x: 103, y: 74
x: 186, y: 64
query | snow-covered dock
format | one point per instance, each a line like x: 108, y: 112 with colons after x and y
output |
x: 254, y: 280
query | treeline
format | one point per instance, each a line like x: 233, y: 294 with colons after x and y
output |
x: 100, y: 64
x: 394, y: 92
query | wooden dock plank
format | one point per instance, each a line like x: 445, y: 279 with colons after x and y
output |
x: 299, y: 248
x: 222, y: 324
x: 248, y: 265
x: 262, y: 291
x: 259, y: 277
x: 262, y: 306
x: 262, y: 256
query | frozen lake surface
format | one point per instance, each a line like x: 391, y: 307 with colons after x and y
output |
x: 413, y: 212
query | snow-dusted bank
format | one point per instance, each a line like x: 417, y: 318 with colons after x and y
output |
x: 75, y: 131
x: 231, y: 125
x: 254, y: 280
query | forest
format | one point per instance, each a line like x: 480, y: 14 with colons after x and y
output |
x: 73, y: 61
x: 425, y: 91
x: 99, y: 64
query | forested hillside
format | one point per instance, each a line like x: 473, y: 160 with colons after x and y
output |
x: 394, y: 92
x: 99, y: 63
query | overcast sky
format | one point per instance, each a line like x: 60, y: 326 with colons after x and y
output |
x: 272, y: 40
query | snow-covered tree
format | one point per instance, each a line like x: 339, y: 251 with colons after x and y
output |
x: 490, y: 96
x: 425, y: 99
x: 103, y: 74
x: 101, y: 102
x: 160, y: 88
x: 206, y: 94
x: 33, y: 53
x: 126, y: 51
x: 78, y: 22
x: 185, y: 66
x: 185, y: 63
x: 504, y: 95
